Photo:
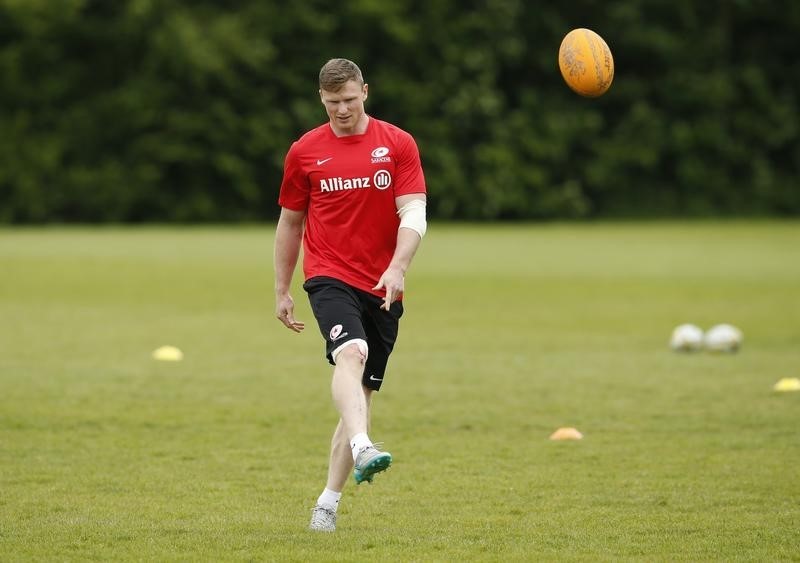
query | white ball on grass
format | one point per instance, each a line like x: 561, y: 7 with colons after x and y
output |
x: 686, y: 338
x: 723, y: 338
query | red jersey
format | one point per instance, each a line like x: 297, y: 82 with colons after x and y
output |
x: 348, y: 185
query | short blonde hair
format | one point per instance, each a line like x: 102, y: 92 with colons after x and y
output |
x: 337, y: 72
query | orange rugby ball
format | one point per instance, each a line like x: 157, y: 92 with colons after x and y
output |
x: 586, y: 63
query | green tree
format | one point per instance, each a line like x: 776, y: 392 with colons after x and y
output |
x: 171, y: 110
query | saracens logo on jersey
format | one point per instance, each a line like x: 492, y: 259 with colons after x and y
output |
x: 382, y: 179
x: 379, y: 155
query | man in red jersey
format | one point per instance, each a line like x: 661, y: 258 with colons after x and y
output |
x: 353, y: 193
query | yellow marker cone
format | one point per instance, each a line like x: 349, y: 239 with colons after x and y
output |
x: 788, y: 384
x: 168, y: 354
x: 566, y: 434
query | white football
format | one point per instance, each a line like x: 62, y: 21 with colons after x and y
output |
x: 686, y: 338
x: 723, y: 338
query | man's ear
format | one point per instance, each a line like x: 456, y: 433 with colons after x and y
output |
x: 366, y: 91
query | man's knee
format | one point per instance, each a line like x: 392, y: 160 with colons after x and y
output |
x: 355, y: 349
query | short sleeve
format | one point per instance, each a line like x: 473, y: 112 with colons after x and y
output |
x: 409, y: 177
x: 295, y: 188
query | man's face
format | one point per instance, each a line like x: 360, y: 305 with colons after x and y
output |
x: 345, y: 108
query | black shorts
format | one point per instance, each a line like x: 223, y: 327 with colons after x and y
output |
x: 345, y: 313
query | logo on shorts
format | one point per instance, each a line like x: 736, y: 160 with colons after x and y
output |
x: 336, y: 333
x: 379, y: 155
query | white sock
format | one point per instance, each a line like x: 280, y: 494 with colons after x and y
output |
x: 329, y: 499
x: 358, y: 443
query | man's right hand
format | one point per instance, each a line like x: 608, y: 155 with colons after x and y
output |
x: 284, y: 310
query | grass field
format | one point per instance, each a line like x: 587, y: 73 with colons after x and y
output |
x: 510, y: 332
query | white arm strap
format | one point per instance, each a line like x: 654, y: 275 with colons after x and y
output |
x: 412, y: 216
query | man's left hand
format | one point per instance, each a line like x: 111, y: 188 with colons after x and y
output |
x: 392, y: 281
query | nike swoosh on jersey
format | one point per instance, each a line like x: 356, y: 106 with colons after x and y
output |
x: 373, y: 378
x: 323, y: 161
